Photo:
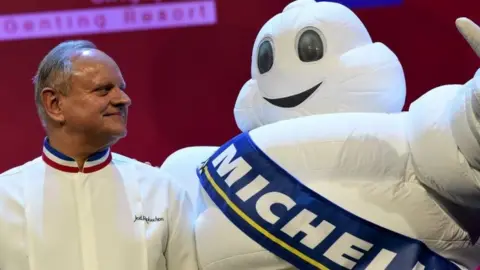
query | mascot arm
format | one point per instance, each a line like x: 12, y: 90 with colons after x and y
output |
x: 465, y: 122
x: 445, y: 142
x: 182, y: 165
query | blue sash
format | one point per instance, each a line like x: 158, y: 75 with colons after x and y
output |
x: 297, y: 224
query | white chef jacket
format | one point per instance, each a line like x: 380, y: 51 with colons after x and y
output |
x: 115, y: 214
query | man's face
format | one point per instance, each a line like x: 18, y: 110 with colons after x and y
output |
x: 96, y: 105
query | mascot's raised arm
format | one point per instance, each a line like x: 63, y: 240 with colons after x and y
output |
x: 350, y: 190
x: 313, y: 58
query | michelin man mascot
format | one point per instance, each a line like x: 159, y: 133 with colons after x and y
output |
x: 350, y: 190
x: 313, y: 58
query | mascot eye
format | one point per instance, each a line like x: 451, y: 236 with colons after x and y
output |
x: 310, y: 46
x: 265, y: 56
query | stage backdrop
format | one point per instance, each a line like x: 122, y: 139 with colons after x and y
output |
x: 185, y: 61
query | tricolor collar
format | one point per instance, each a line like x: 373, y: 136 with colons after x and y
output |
x: 62, y: 162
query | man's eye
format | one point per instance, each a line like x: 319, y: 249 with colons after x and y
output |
x: 102, y: 91
x: 105, y: 88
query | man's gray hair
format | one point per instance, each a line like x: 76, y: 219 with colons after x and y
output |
x: 55, y: 70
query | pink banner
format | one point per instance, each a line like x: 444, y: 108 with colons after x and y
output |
x: 106, y: 20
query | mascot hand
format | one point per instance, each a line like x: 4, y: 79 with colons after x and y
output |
x: 471, y: 33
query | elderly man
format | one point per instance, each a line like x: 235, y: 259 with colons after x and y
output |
x: 80, y: 207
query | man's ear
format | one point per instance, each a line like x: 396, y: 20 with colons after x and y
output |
x: 51, y: 102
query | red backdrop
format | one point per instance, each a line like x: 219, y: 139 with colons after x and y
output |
x: 184, y: 82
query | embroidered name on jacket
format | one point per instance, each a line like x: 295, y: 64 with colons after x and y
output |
x: 148, y: 219
x: 297, y: 224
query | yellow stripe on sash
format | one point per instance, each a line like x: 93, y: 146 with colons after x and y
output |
x: 252, y: 223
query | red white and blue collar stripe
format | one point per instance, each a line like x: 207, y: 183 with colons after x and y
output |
x: 62, y: 162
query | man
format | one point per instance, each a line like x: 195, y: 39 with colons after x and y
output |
x: 80, y: 207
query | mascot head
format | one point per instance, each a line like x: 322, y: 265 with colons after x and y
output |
x: 317, y: 58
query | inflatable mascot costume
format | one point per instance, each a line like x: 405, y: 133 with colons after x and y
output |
x: 350, y: 190
x: 312, y: 58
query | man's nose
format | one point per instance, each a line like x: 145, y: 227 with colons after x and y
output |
x: 121, y: 98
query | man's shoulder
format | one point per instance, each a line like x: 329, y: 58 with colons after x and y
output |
x: 13, y: 172
x: 120, y: 160
x: 13, y: 178
x: 148, y: 175
x: 145, y: 169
